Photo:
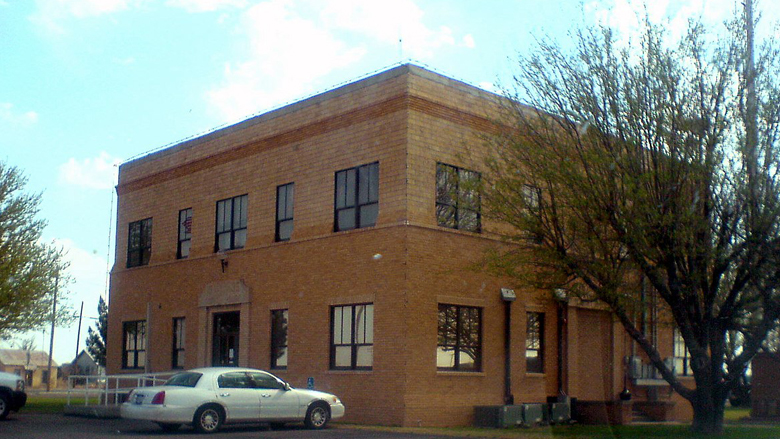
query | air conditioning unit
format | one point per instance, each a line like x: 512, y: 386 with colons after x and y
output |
x: 498, y: 416
x: 533, y: 414
x: 560, y: 412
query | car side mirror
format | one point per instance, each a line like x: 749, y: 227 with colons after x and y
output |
x: 287, y: 387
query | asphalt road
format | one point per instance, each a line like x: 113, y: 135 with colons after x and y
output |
x: 56, y: 426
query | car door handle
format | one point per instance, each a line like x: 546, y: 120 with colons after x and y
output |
x: 265, y: 395
x: 224, y: 394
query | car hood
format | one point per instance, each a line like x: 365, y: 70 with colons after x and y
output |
x: 9, y: 376
x: 315, y: 394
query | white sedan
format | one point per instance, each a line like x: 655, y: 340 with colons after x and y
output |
x: 208, y: 397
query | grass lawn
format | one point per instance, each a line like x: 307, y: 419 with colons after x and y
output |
x: 51, y: 404
x: 593, y: 432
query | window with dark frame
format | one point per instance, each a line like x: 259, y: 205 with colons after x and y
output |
x: 231, y: 223
x: 179, y: 331
x: 352, y: 337
x: 357, y: 197
x: 185, y: 233
x: 279, y: 324
x: 134, y: 344
x: 139, y: 243
x: 285, y: 197
x: 458, y: 204
x: 682, y: 356
x: 534, y: 342
x: 459, y: 338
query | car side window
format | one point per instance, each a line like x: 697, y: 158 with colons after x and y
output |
x: 234, y: 380
x: 265, y: 381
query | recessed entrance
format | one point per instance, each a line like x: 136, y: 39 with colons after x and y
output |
x: 227, y: 327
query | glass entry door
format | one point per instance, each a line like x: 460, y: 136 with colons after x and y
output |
x: 225, y: 342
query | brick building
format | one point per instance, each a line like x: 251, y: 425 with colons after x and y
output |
x: 324, y: 241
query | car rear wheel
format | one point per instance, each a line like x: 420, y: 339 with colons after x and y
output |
x: 317, y: 416
x: 208, y: 419
x: 168, y: 427
x: 5, y: 406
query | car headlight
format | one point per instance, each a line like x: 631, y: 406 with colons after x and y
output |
x: 335, y: 400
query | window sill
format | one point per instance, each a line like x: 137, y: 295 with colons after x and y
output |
x: 350, y: 372
x: 456, y: 373
x: 535, y: 374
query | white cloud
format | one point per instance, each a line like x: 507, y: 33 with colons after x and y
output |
x: 93, y: 173
x: 469, y: 42
x: 205, y: 5
x: 8, y: 115
x: 287, y: 53
x: 293, y: 44
x: 388, y: 22
x: 50, y: 14
x: 625, y: 16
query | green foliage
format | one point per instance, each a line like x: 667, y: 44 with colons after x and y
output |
x: 28, y: 267
x: 96, y: 340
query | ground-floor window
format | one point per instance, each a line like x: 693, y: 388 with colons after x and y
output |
x: 134, y: 344
x: 534, y: 342
x: 460, y: 338
x: 279, y: 339
x: 177, y: 361
x: 682, y: 357
x: 352, y: 337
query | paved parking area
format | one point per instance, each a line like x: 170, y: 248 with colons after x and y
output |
x: 57, y: 426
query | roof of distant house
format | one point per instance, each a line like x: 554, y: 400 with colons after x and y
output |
x: 18, y: 357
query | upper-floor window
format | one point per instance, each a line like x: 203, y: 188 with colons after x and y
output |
x: 279, y: 339
x: 534, y: 342
x: 134, y: 344
x: 357, y: 197
x: 352, y: 337
x: 231, y: 223
x: 682, y: 356
x: 458, y: 203
x: 139, y: 243
x: 285, y: 195
x: 185, y: 233
x: 179, y: 330
x: 459, y: 346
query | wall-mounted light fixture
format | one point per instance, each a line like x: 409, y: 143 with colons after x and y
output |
x: 223, y: 259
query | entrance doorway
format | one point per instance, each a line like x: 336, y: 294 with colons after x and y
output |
x: 224, y: 351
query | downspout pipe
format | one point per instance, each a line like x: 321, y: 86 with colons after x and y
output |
x: 508, y: 296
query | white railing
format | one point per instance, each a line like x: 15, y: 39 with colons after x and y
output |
x: 109, y: 389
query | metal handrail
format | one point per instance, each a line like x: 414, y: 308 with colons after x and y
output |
x: 108, y: 388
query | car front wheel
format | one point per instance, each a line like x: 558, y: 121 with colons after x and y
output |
x: 208, y: 419
x: 317, y: 416
x: 5, y: 406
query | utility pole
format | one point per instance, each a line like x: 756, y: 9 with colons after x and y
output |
x: 53, y: 322
x: 78, y: 333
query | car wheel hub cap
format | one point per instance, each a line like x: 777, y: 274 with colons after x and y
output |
x: 318, y: 417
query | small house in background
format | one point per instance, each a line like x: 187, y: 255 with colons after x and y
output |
x: 83, y: 364
x: 765, y: 393
x: 33, y: 366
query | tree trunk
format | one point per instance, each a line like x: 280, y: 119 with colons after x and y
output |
x: 708, y: 407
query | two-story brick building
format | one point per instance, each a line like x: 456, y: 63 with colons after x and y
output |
x: 329, y: 239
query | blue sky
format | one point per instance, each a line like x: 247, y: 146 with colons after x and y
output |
x: 88, y: 84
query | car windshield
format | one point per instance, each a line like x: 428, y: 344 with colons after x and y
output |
x: 184, y: 379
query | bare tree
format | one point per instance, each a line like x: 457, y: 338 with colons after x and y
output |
x: 654, y: 163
